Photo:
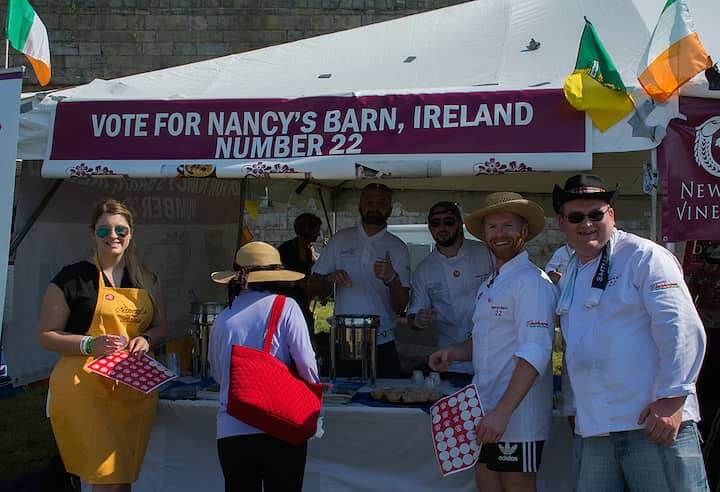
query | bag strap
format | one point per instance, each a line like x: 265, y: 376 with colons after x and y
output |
x: 273, y: 321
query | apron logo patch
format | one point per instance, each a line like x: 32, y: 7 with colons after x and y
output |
x: 109, y: 297
x: 130, y: 315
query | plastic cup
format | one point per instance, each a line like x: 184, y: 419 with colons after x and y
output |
x: 435, y: 378
x: 173, y: 362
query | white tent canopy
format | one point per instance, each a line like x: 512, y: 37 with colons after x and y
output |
x: 476, y: 47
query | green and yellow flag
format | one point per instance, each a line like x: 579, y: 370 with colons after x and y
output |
x: 595, y: 86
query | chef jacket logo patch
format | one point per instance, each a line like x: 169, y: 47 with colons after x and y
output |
x: 507, y: 450
x: 613, y: 280
x: 109, y: 297
x: 663, y: 285
x: 348, y: 252
x: 456, y: 273
x: 499, y: 310
x: 537, y: 324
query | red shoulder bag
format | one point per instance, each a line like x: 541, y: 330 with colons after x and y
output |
x: 266, y: 394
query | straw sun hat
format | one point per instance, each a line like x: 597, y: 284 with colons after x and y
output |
x: 263, y: 263
x: 507, y: 201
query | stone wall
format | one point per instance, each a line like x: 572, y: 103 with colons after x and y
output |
x: 113, y: 38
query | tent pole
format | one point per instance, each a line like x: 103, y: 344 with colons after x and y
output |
x: 15, y: 244
x: 331, y: 227
x: 241, y: 218
x: 653, y: 196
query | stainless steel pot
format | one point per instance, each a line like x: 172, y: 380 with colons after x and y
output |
x: 203, y: 316
x: 353, y: 337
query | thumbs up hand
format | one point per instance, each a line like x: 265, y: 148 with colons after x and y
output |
x: 384, y: 270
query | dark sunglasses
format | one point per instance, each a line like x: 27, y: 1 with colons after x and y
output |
x: 593, y: 215
x: 447, y: 222
x: 104, y: 231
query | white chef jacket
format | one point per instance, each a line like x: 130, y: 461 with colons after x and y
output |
x: 244, y: 323
x: 515, y: 317
x: 642, y: 342
x: 355, y: 252
x: 560, y: 259
x: 449, y: 285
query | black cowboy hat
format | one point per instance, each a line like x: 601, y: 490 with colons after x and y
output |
x: 581, y: 186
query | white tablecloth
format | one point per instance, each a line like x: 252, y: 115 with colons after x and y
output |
x: 364, y: 449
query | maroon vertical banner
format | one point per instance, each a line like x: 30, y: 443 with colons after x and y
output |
x: 689, y: 166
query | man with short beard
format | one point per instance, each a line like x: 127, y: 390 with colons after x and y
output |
x: 634, y: 348
x: 370, y: 270
x: 444, y: 284
x: 511, y: 347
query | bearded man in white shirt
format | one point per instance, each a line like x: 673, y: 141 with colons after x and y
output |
x: 370, y: 271
x: 444, y: 284
x: 511, y: 347
x: 634, y: 347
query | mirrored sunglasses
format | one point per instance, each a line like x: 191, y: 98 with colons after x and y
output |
x: 593, y: 215
x: 447, y: 222
x: 104, y: 231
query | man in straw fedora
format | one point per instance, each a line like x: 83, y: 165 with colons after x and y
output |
x: 634, y: 347
x: 511, y: 346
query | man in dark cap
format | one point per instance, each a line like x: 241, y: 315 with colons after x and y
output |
x: 634, y: 347
x: 444, y: 284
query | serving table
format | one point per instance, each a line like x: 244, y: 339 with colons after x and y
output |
x: 365, y: 448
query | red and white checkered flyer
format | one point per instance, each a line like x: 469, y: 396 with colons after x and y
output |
x: 454, y: 420
x: 144, y: 374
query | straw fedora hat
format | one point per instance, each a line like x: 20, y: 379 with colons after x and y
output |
x: 259, y: 255
x: 507, y: 201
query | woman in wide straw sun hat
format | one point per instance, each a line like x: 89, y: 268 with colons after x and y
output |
x: 249, y: 458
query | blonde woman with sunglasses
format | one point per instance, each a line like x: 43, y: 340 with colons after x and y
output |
x: 93, y: 308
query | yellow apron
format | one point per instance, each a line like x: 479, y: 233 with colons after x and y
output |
x: 102, y: 427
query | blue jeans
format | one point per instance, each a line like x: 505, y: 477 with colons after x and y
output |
x: 629, y: 461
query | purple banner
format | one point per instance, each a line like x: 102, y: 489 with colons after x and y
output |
x: 689, y: 165
x: 533, y: 121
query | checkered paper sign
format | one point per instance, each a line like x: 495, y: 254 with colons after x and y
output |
x: 454, y: 420
x: 144, y: 374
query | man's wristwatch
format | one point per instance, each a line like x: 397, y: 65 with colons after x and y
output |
x: 148, y: 338
x: 392, y: 279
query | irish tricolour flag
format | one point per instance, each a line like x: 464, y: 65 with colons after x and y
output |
x: 27, y: 33
x: 674, y: 55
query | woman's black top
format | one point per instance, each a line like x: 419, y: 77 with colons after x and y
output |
x: 79, y: 283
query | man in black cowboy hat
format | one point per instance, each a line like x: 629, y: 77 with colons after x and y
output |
x: 511, y: 347
x: 445, y: 282
x: 634, y: 347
